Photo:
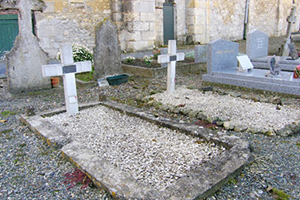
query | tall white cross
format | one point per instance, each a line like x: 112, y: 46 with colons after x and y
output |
x: 171, y: 59
x: 67, y: 70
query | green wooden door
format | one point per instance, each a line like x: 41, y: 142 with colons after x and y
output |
x: 168, y: 22
x: 8, y: 32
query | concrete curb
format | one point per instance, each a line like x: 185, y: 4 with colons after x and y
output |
x: 198, y: 184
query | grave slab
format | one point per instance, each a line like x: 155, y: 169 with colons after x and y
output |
x: 197, y: 184
x: 256, y: 79
x: 222, y: 69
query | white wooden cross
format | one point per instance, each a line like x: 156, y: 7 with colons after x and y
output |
x: 67, y: 70
x: 171, y: 59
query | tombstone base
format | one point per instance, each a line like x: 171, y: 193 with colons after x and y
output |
x: 256, y: 79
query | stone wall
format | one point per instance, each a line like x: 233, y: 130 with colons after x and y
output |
x: 140, y: 22
x: 270, y: 16
x: 70, y: 21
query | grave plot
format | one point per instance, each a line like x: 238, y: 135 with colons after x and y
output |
x: 222, y: 69
x: 132, y: 154
x: 242, y: 114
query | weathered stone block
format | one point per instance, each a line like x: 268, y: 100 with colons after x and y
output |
x: 148, y: 35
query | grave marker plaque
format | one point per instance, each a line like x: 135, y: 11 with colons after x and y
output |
x: 245, y: 62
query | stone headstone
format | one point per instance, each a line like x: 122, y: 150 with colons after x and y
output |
x: 67, y: 70
x: 200, y: 53
x: 164, y: 51
x: 221, y: 55
x: 107, y: 53
x: 24, y: 62
x: 257, y: 44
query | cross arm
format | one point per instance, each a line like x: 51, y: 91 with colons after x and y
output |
x: 60, y: 69
x: 169, y: 58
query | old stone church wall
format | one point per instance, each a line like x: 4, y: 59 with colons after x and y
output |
x: 70, y: 21
x: 140, y: 22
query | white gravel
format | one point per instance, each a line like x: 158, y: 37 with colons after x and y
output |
x: 237, y: 110
x: 152, y: 154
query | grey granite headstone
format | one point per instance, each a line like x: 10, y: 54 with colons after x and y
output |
x: 24, y: 62
x: 257, y: 44
x: 107, y: 53
x: 221, y: 55
x: 200, y: 53
x: 164, y: 51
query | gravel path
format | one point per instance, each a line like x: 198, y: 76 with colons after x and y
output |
x: 29, y: 169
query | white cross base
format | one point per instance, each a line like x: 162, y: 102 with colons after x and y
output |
x: 171, y: 59
x: 67, y: 70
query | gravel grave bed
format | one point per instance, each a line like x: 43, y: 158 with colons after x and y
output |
x: 237, y: 110
x: 152, y: 154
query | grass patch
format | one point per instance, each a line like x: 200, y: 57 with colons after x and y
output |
x: 7, y: 113
x: 87, y: 76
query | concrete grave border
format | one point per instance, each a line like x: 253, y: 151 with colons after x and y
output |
x: 198, y: 184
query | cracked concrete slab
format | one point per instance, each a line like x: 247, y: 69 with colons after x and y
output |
x: 198, y: 184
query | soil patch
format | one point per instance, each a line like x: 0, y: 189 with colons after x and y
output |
x: 154, y: 64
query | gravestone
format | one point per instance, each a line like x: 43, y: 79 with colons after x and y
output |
x: 257, y: 44
x: 200, y: 53
x: 221, y: 69
x: 24, y: 61
x: 221, y: 55
x: 107, y: 53
x: 171, y: 59
x: 67, y: 70
x: 164, y: 51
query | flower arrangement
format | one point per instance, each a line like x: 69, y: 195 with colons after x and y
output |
x: 148, y: 60
x: 297, y: 72
x: 129, y: 59
x: 81, y: 53
x: 156, y: 53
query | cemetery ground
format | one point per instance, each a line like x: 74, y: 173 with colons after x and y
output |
x: 30, y: 169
